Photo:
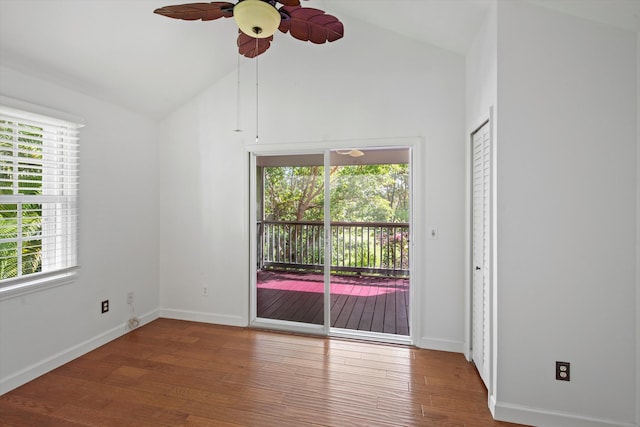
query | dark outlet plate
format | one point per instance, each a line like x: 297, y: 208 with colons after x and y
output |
x: 105, y: 306
x: 563, y: 371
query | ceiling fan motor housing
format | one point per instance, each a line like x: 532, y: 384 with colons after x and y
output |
x: 256, y: 18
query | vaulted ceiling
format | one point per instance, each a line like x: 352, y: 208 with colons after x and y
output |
x: 121, y: 52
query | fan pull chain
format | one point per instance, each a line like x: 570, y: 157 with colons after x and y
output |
x: 257, y: 92
x: 237, y: 129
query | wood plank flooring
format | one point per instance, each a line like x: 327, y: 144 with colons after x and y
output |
x: 375, y: 304
x: 176, y: 373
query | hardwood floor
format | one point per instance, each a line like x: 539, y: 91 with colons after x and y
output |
x: 177, y: 373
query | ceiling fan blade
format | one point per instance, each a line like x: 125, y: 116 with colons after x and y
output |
x: 290, y: 2
x: 308, y: 24
x: 252, y: 47
x: 196, y: 11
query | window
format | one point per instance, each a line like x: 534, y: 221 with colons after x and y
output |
x: 38, y: 199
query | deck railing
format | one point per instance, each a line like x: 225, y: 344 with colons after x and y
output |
x: 360, y: 247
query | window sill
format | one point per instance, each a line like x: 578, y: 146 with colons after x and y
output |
x: 36, y: 284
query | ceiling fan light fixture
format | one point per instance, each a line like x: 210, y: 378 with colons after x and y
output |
x: 256, y: 18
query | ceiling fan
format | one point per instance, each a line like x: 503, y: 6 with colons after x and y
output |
x: 351, y: 152
x: 258, y: 20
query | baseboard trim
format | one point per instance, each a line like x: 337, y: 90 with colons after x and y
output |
x: 538, y: 417
x: 492, y: 405
x: 32, y: 372
x: 198, y: 316
x: 440, y: 344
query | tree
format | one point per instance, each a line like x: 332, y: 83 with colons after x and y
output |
x: 294, y: 193
x: 374, y: 193
x: 371, y: 193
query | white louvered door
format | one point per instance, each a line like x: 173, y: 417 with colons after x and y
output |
x: 481, y: 249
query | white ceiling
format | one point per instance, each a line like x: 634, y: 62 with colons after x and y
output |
x: 120, y: 51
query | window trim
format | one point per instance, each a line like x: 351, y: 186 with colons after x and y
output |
x: 39, y: 110
x: 35, y: 282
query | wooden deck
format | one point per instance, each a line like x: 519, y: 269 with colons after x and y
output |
x: 375, y: 304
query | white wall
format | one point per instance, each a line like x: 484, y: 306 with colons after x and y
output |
x: 481, y: 72
x: 371, y: 84
x: 567, y: 189
x: 481, y: 105
x: 118, y: 238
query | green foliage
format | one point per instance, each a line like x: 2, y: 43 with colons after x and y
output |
x: 20, y: 220
x: 30, y: 250
x: 371, y: 193
x: 294, y: 193
x: 362, y: 193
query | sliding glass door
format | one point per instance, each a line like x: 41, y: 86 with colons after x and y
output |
x: 331, y: 246
x: 369, y: 212
x: 290, y: 238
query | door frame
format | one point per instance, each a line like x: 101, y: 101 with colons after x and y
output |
x: 414, y: 144
x: 492, y: 286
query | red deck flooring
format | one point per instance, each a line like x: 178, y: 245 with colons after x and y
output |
x: 376, y: 304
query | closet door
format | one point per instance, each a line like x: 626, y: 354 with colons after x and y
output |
x: 481, y: 248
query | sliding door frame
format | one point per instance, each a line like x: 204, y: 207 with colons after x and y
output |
x: 416, y: 234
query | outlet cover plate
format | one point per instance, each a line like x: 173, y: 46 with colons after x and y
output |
x: 563, y: 371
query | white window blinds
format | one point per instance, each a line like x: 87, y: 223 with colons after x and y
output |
x: 38, y: 196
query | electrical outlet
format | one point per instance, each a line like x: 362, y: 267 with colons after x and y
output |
x: 563, y: 372
x: 130, y: 298
x: 105, y: 306
x: 205, y: 291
